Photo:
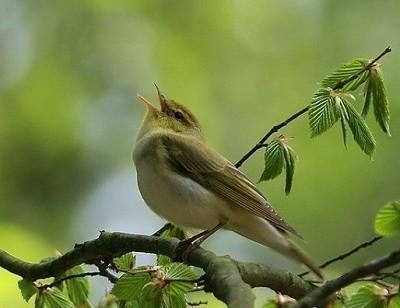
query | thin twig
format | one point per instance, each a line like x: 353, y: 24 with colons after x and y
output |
x: 346, y: 254
x: 57, y: 282
x: 375, y: 266
x: 277, y: 127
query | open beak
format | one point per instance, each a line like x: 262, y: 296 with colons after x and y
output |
x: 150, y: 107
x: 162, y: 98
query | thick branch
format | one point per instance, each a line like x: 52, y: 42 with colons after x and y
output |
x: 318, y: 295
x: 229, y: 280
x: 294, y: 116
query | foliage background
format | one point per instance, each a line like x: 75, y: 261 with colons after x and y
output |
x: 69, y: 74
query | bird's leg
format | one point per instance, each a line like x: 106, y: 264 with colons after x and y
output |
x: 194, y: 241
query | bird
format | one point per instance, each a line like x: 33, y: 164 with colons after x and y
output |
x: 188, y: 183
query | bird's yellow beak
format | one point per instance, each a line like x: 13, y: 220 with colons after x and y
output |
x: 150, y: 107
x: 162, y: 98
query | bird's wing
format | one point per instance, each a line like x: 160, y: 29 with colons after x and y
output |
x: 196, y: 160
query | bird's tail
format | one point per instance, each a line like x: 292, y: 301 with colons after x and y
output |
x: 298, y: 254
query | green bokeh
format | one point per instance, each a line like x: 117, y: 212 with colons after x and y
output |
x: 70, y: 70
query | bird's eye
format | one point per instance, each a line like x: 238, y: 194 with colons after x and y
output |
x: 178, y: 115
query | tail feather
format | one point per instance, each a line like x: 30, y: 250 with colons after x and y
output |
x: 300, y: 255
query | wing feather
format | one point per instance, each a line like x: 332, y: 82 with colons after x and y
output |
x: 195, y: 159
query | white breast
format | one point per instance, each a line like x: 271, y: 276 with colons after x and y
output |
x: 178, y: 199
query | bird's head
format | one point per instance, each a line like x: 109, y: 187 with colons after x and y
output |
x: 171, y: 116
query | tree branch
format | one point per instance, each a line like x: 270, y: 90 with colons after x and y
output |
x: 229, y: 280
x: 277, y: 127
x: 319, y: 294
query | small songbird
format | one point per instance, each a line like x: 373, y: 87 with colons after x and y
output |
x: 185, y: 181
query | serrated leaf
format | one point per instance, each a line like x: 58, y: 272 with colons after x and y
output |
x: 368, y: 296
x: 395, y: 302
x: 151, y: 296
x: 322, y: 113
x: 361, y: 133
x: 129, y: 286
x: 270, y: 304
x: 387, y: 220
x: 344, y: 72
x: 52, y: 298
x: 290, y: 160
x: 379, y: 99
x: 126, y: 261
x: 274, y: 161
x: 176, y: 271
x: 27, y: 288
x: 342, y: 114
x: 368, y: 98
x: 77, y: 288
x: 173, y: 301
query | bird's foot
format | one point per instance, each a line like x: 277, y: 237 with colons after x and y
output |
x: 184, y: 247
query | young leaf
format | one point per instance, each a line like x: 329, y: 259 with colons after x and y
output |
x: 179, y: 271
x: 126, y: 261
x: 274, y: 160
x: 129, y: 286
x: 179, y: 277
x: 344, y: 72
x: 387, y: 221
x: 341, y: 112
x: 52, y: 298
x: 368, y: 296
x: 172, y: 301
x: 361, y: 133
x: 151, y: 296
x: 77, y: 288
x: 27, y: 288
x: 379, y: 99
x: 290, y: 160
x: 322, y: 114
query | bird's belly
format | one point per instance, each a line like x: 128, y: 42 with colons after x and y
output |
x: 179, y: 199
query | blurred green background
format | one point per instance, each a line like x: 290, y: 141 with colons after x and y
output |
x: 69, y: 74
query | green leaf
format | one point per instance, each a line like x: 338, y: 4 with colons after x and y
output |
x: 176, y: 271
x: 52, y: 298
x: 344, y: 72
x: 129, y: 286
x: 77, y: 288
x: 174, y: 232
x: 27, y: 288
x: 278, y: 156
x: 368, y: 98
x: 395, y: 302
x: 151, y: 296
x: 387, y: 221
x: 322, y: 113
x: 290, y: 160
x: 274, y: 160
x: 368, y: 296
x: 379, y: 99
x: 173, y: 301
x: 342, y: 114
x: 361, y: 133
x: 126, y: 261
x: 270, y: 304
